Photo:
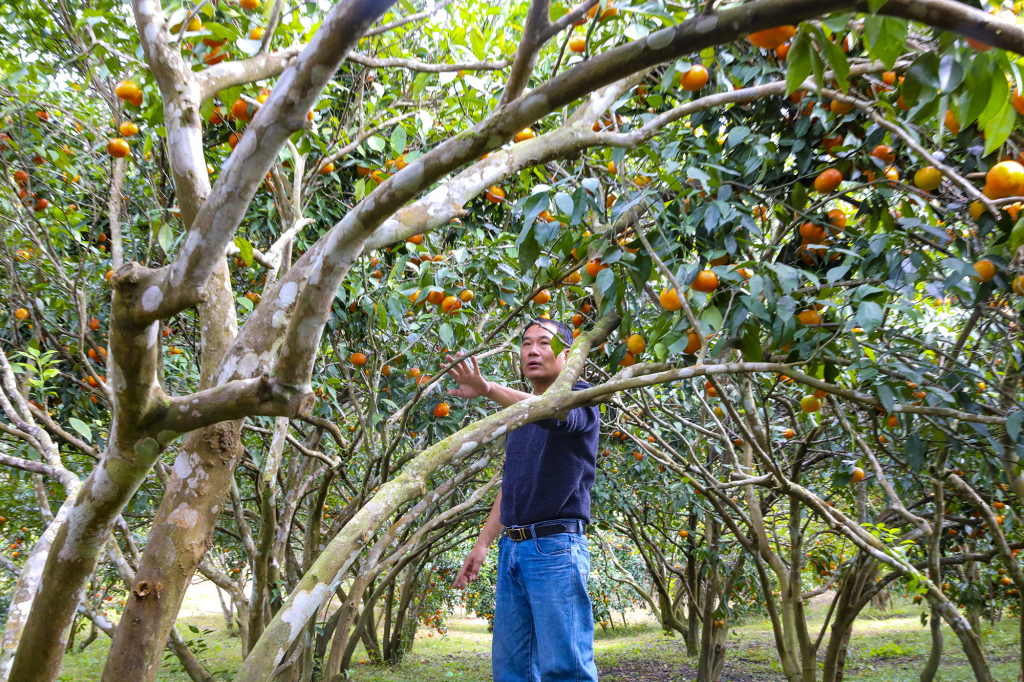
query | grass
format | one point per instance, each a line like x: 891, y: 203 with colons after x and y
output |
x: 886, y: 646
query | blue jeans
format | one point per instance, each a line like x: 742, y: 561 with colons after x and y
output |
x: 543, y: 622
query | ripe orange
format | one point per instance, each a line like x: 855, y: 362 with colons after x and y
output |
x: 978, y: 46
x: 809, y: 317
x: 542, y: 297
x: 118, y: 148
x: 928, y: 178
x: 232, y: 140
x: 495, y: 194
x: 782, y: 51
x: 1018, y: 285
x: 240, y: 109
x: 127, y: 90
x: 837, y: 219
x: 889, y: 77
x: 441, y: 410
x: 789, y: 434
x: 636, y: 344
x: 215, y: 57
x: 256, y: 33
x: 669, y: 299
x: 578, y: 320
x: 812, y: 233
x: 706, y: 282
x: 684, y: 534
x: 809, y: 403
x: 127, y: 129
x: 885, y: 153
x: 1018, y: 102
x: 840, y: 108
x: 450, y: 305
x: 524, y: 135
x: 858, y: 475
x: 771, y: 38
x: 327, y: 168
x: 694, y: 79
x: 357, y: 359
x: 577, y: 44
x: 20, y: 177
x: 952, y: 125
x: 466, y: 296
x: 20, y: 314
x: 435, y: 297
x: 249, y: 4
x: 416, y: 239
x: 986, y: 271
x: 828, y: 181
x: 41, y: 205
x: 1005, y: 179
x: 627, y: 360
x: 594, y: 267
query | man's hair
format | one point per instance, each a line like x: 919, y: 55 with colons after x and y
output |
x: 564, y: 330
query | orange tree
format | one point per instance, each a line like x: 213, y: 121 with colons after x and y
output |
x: 720, y: 194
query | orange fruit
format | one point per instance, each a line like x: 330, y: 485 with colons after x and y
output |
x: 952, y: 125
x: 706, y: 282
x: 450, y: 305
x: 692, y: 343
x: 840, y: 108
x: 495, y: 194
x: 812, y: 233
x: 837, y: 219
x: 594, y: 267
x: 627, y: 360
x: 127, y: 128
x: 577, y: 44
x: 694, y: 79
x: 986, y: 271
x: 118, y: 148
x: 684, y: 534
x: 20, y: 177
x: 215, y: 57
x: 416, y: 239
x: 240, y: 109
x: 357, y: 359
x: 928, y: 178
x: 127, y: 90
x: 575, y: 277
x: 893, y: 421
x: 889, y: 77
x: 636, y: 344
x: 1005, y: 179
x: 524, y: 134
x: 809, y: 403
x: 978, y: 46
x: 578, y: 320
x: 809, y: 317
x: 441, y: 410
x: 789, y: 434
x: 1018, y: 102
x: 256, y: 33
x: 435, y: 297
x: 771, y: 38
x: 20, y: 314
x: 327, y: 168
x: 669, y: 299
x: 828, y: 181
x: 466, y: 296
x: 1018, y: 285
x: 858, y: 475
x: 885, y: 153
x: 782, y: 51
x: 42, y: 205
x: 249, y: 4
x: 233, y: 140
x: 542, y: 297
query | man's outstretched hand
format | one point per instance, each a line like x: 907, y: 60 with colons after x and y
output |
x: 471, y: 567
x: 471, y: 382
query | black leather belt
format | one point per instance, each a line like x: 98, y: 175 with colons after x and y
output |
x: 543, y: 530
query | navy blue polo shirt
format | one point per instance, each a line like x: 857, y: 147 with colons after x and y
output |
x: 550, y: 466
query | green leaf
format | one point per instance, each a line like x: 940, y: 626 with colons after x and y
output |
x: 83, y: 428
x: 869, y: 316
x: 165, y: 237
x: 978, y: 88
x: 998, y: 96
x: 557, y: 345
x: 798, y: 62
x: 228, y: 96
x: 1013, y: 423
x: 913, y: 450
x: 245, y: 249
x: 398, y: 140
x: 750, y: 344
x: 886, y: 38
x: 376, y: 143
x: 998, y: 129
x: 875, y: 5
x: 921, y: 84
x: 840, y: 65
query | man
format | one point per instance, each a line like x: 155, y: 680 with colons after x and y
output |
x: 543, y: 623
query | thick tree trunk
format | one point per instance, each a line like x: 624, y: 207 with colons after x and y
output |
x: 931, y: 666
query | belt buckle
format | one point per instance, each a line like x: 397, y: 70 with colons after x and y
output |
x: 517, y: 534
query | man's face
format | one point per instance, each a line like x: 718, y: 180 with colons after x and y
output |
x: 540, y: 364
